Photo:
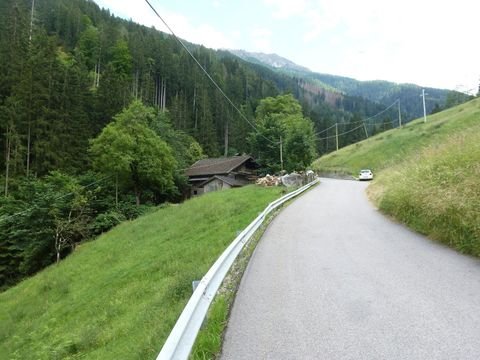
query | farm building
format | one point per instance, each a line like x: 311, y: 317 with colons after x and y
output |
x: 213, y: 174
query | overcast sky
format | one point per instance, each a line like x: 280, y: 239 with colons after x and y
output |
x: 426, y: 42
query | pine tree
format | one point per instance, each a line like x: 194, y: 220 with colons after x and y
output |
x: 114, y: 91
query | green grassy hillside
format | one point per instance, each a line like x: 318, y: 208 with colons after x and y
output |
x: 119, y: 296
x: 427, y: 174
x: 391, y: 147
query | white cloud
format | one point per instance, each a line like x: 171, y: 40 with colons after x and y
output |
x: 318, y: 25
x: 262, y: 40
x: 183, y: 27
x: 283, y: 9
x: 206, y: 35
x: 424, y: 42
x: 430, y: 43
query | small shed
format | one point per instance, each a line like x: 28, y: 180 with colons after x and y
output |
x: 213, y: 174
x: 219, y: 182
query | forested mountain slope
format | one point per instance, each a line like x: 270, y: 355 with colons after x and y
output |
x: 83, y: 66
x: 66, y: 78
x: 100, y: 117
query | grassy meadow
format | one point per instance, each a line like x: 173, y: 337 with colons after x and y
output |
x: 119, y: 296
x: 427, y: 175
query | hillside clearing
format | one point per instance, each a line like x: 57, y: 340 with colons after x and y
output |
x: 120, y: 295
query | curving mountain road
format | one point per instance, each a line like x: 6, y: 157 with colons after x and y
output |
x: 334, y: 279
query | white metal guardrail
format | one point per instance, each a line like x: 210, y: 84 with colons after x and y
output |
x: 182, y: 337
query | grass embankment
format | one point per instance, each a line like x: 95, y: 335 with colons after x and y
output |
x: 427, y: 175
x: 393, y: 146
x: 119, y: 296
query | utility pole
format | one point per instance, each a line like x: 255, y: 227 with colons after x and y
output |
x: 29, y: 113
x: 281, y: 153
x: 225, y: 153
x: 336, y: 134
x: 365, y: 128
x: 116, y: 191
x: 31, y: 21
x: 424, y: 109
x: 399, y: 115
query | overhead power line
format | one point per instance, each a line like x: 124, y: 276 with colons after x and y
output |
x: 381, y: 112
x: 321, y: 132
x: 346, y: 132
x: 360, y: 121
x: 242, y: 115
x: 207, y: 74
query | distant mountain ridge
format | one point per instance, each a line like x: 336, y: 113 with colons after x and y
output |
x: 272, y: 60
x: 379, y: 91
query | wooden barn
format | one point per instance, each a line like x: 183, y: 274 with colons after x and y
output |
x: 214, y: 174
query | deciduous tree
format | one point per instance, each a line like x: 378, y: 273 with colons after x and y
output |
x: 281, y: 118
x: 128, y: 149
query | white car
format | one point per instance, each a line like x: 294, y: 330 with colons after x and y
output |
x: 365, y: 174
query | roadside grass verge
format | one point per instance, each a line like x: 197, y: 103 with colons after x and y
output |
x: 393, y: 146
x: 119, y: 296
x: 437, y: 192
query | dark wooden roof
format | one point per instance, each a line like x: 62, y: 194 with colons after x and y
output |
x: 217, y: 166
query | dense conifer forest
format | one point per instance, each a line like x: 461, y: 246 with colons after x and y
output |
x: 99, y: 117
x: 67, y: 70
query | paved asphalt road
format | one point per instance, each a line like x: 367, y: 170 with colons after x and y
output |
x: 334, y: 279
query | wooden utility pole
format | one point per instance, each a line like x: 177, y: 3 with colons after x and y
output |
x: 29, y: 136
x: 116, y: 191
x: 336, y: 134
x: 195, y: 105
x: 194, y: 97
x: 281, y: 153
x: 31, y: 81
x: 7, y: 159
x: 226, y: 138
x: 96, y: 80
x: 31, y: 21
x: 399, y: 115
x: 365, y: 128
x: 164, y: 101
x: 424, y: 109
